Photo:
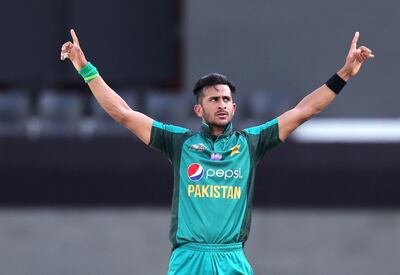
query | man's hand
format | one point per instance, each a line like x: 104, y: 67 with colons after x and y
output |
x: 109, y: 100
x: 319, y: 99
x: 355, y: 59
x: 73, y: 51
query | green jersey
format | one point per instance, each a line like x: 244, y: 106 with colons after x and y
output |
x: 213, y: 179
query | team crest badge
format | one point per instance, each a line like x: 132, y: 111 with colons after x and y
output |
x: 235, y: 150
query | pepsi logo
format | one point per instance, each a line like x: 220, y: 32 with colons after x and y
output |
x: 195, y: 171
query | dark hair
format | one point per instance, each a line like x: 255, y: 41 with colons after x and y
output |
x: 209, y: 81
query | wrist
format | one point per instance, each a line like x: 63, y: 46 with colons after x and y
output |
x: 79, y: 64
x: 336, y: 83
x: 88, y: 72
x: 344, y: 74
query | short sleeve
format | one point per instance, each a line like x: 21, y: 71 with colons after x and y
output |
x: 167, y: 138
x: 262, y: 138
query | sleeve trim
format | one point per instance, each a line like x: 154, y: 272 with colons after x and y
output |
x: 170, y: 128
x: 256, y: 130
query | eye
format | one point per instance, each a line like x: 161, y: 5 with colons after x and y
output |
x: 227, y: 99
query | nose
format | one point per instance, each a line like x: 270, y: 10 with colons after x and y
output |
x: 222, y: 104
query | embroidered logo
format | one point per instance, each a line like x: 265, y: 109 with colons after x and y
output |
x: 235, y: 150
x: 198, y: 147
x: 216, y: 157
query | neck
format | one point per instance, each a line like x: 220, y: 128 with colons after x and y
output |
x: 216, y: 131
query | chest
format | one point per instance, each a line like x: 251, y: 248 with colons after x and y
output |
x: 220, y: 152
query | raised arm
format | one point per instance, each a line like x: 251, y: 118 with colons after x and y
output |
x: 109, y: 100
x: 319, y: 99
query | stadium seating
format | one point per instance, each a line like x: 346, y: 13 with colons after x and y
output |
x: 59, y: 113
x: 14, y: 112
x: 101, y: 124
x: 172, y: 108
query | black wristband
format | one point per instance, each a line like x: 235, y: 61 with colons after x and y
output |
x: 335, y: 83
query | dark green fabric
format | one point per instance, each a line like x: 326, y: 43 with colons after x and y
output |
x: 169, y: 139
x: 181, y: 146
x: 260, y: 139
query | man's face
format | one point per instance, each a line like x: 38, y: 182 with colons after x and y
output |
x: 216, y: 106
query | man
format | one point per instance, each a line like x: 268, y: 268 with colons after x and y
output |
x: 213, y: 169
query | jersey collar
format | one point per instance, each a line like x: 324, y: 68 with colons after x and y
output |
x: 206, y: 130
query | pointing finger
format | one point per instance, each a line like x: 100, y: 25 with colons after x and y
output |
x: 74, y: 38
x: 354, y: 41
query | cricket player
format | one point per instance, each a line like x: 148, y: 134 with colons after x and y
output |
x: 214, y: 168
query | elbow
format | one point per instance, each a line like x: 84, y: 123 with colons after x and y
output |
x: 123, y: 118
x: 120, y: 116
x: 306, y: 114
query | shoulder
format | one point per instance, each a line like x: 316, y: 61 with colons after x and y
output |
x: 256, y: 130
x: 170, y: 128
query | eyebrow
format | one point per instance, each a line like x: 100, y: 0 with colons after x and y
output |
x: 218, y: 96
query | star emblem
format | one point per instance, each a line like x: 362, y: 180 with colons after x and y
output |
x: 235, y: 150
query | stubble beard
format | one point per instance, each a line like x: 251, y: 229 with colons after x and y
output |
x: 215, y: 124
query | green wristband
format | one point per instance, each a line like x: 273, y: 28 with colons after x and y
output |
x: 89, y: 72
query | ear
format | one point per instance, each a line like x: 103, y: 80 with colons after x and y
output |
x: 198, y: 109
x: 234, y: 108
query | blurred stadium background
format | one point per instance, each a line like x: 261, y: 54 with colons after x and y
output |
x: 81, y: 195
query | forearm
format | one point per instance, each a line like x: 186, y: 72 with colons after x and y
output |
x: 119, y: 110
x: 319, y: 99
x: 315, y: 102
x: 109, y: 100
x: 307, y: 108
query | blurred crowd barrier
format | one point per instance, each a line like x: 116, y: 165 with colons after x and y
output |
x: 76, y: 113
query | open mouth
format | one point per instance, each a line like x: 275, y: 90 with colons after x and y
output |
x: 222, y: 115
